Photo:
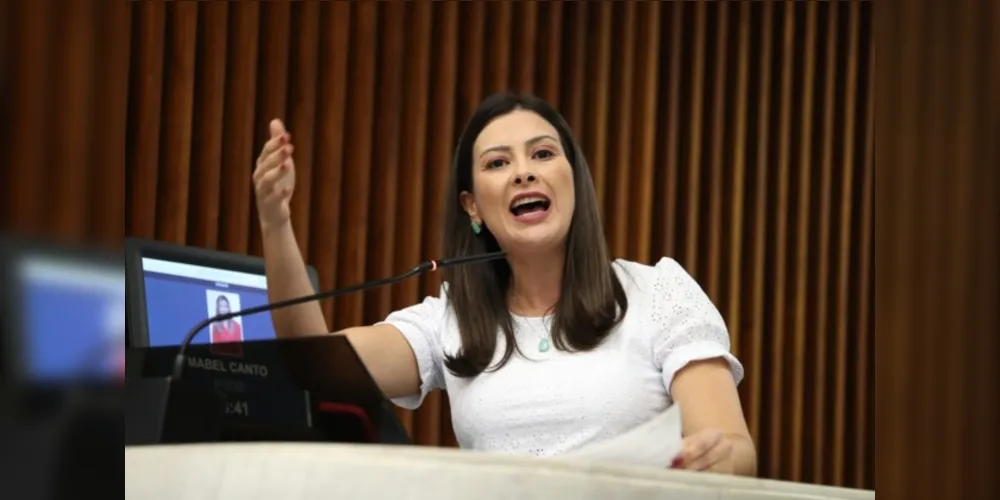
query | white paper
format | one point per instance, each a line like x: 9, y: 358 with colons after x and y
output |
x: 655, y: 443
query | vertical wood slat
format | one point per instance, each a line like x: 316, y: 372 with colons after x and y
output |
x: 864, y: 321
x: 668, y: 181
x: 692, y: 192
x: 28, y: 24
x: 472, y: 64
x: 717, y: 155
x: 70, y: 135
x: 551, y: 50
x: 500, y: 23
x: 146, y: 81
x: 735, y: 285
x: 178, y: 107
x: 802, y: 250
x: 577, y: 60
x: 779, y: 245
x: 209, y: 119
x: 821, y: 321
x: 846, y: 233
x: 760, y: 226
x: 645, y: 139
x: 108, y: 185
x: 373, y: 92
x: 620, y: 161
x: 525, y: 48
x: 238, y: 127
x: 596, y: 127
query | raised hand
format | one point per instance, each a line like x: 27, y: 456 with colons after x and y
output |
x: 274, y: 177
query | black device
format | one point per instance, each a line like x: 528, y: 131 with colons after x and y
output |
x: 63, y: 327
x: 312, y: 388
x: 63, y: 311
x: 171, y: 287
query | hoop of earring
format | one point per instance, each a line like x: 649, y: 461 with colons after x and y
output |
x: 476, y: 228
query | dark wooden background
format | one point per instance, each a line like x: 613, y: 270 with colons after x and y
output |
x: 735, y: 137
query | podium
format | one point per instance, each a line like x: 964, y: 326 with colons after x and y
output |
x: 304, y: 389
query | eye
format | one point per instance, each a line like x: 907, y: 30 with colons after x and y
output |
x: 496, y: 163
x: 544, y: 154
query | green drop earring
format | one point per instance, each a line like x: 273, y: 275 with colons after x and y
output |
x: 476, y: 228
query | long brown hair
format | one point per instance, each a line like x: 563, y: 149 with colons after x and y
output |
x: 592, y: 301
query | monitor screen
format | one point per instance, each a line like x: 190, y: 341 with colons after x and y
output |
x: 72, y: 317
x: 178, y: 295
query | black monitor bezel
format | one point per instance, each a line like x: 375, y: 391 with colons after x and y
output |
x: 135, y: 288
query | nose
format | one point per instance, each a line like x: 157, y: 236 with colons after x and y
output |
x: 524, y: 178
x: 522, y: 171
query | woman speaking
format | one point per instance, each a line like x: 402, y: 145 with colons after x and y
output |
x: 556, y: 346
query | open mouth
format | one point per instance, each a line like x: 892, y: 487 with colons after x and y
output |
x: 529, y: 204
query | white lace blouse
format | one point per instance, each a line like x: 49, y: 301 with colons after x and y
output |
x: 547, y: 401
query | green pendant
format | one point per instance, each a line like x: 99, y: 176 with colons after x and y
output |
x: 543, y: 345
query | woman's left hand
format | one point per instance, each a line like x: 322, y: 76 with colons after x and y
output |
x: 707, y: 450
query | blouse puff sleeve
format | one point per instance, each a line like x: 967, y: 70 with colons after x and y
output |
x: 687, y: 327
x: 421, y: 325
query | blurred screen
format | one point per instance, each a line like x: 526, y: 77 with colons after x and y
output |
x: 73, y: 318
x: 179, y: 295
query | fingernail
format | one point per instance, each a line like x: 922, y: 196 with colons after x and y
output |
x: 676, y: 463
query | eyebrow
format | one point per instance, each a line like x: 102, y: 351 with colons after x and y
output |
x: 529, y: 142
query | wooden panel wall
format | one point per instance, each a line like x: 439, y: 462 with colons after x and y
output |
x: 733, y: 136
x: 938, y: 181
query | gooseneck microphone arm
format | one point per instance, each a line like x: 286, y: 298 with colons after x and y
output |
x: 431, y: 265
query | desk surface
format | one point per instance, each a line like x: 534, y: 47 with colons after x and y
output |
x: 291, y: 471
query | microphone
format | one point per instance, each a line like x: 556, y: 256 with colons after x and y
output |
x: 430, y: 265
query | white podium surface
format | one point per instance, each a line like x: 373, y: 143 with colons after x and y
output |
x: 293, y: 471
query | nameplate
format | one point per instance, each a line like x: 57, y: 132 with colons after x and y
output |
x: 227, y: 366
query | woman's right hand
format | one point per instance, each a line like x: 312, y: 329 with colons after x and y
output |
x: 274, y: 177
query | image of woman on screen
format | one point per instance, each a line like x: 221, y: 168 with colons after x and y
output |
x: 228, y: 330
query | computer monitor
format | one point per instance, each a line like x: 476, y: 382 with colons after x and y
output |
x: 171, y: 288
x: 64, y: 308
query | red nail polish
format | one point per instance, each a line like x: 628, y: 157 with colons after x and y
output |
x: 676, y: 463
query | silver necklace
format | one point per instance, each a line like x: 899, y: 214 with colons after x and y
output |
x: 544, y: 344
